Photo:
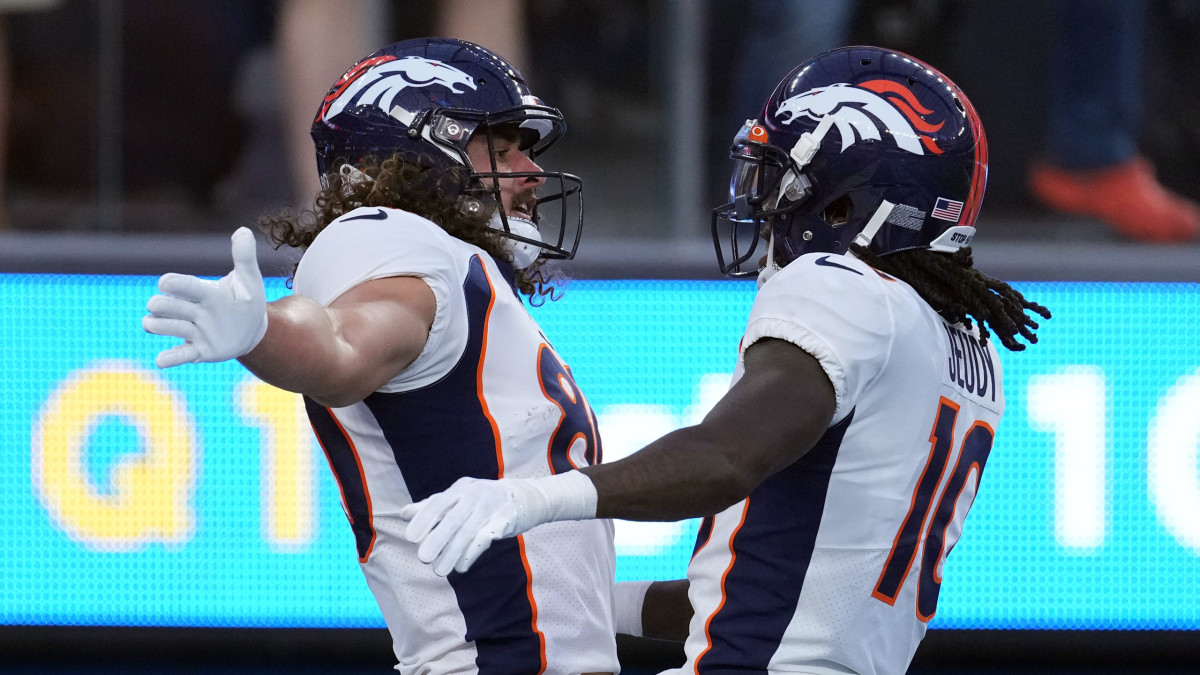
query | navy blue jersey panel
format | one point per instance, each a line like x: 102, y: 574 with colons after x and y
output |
x: 772, y: 551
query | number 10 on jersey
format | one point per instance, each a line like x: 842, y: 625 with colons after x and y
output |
x: 932, y: 538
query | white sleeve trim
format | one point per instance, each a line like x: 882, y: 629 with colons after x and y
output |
x: 346, y: 255
x: 809, y: 342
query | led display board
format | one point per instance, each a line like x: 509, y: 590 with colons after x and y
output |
x: 197, y: 496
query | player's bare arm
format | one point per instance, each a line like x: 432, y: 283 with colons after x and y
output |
x: 773, y: 415
x: 666, y: 610
x: 350, y: 348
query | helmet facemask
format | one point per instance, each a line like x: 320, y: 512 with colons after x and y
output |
x: 549, y: 226
x: 766, y: 186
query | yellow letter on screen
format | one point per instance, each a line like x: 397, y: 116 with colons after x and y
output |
x: 287, y: 462
x: 151, y: 485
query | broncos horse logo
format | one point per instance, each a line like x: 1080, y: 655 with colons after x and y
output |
x: 859, y: 110
x: 377, y: 81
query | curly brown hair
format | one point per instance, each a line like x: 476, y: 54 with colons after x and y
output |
x: 951, y: 285
x: 408, y: 183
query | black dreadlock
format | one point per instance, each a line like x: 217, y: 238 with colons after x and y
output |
x: 961, y: 293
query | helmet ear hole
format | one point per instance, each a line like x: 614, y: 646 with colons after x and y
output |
x: 839, y: 211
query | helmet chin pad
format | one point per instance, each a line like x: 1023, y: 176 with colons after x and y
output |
x: 523, y: 253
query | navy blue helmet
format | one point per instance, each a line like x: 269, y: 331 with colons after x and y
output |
x: 425, y: 98
x: 858, y: 145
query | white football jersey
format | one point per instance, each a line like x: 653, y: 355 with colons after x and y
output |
x: 833, y: 565
x: 487, y: 397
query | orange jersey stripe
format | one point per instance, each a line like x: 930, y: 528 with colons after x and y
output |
x: 532, y: 603
x: 487, y: 318
x: 363, y: 477
x: 724, y: 575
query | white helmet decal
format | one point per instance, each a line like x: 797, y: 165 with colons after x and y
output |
x: 379, y: 81
x: 896, y: 108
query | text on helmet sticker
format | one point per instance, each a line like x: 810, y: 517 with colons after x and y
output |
x: 908, y: 217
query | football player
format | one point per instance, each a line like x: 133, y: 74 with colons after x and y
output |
x: 835, y: 474
x: 418, y: 362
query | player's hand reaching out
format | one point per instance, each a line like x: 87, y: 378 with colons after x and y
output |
x: 217, y: 320
x: 456, y: 526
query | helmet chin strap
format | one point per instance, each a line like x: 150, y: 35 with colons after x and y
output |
x: 877, y: 220
x: 802, y: 153
x: 352, y: 177
x: 809, y: 142
x: 862, y: 239
x: 771, y: 267
x: 523, y: 253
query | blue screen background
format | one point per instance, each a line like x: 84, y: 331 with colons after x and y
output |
x: 639, y: 350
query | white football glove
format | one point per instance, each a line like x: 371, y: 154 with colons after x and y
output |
x: 217, y: 320
x: 455, y: 527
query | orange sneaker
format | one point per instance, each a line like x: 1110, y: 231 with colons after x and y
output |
x: 1127, y: 196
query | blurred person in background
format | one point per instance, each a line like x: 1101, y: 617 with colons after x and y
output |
x: 418, y: 362
x: 346, y: 29
x: 129, y: 104
x: 1090, y: 165
x: 778, y: 35
x: 314, y: 40
x: 835, y: 475
x: 256, y: 66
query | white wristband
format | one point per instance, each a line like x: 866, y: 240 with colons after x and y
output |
x: 569, y: 496
x: 628, y: 598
